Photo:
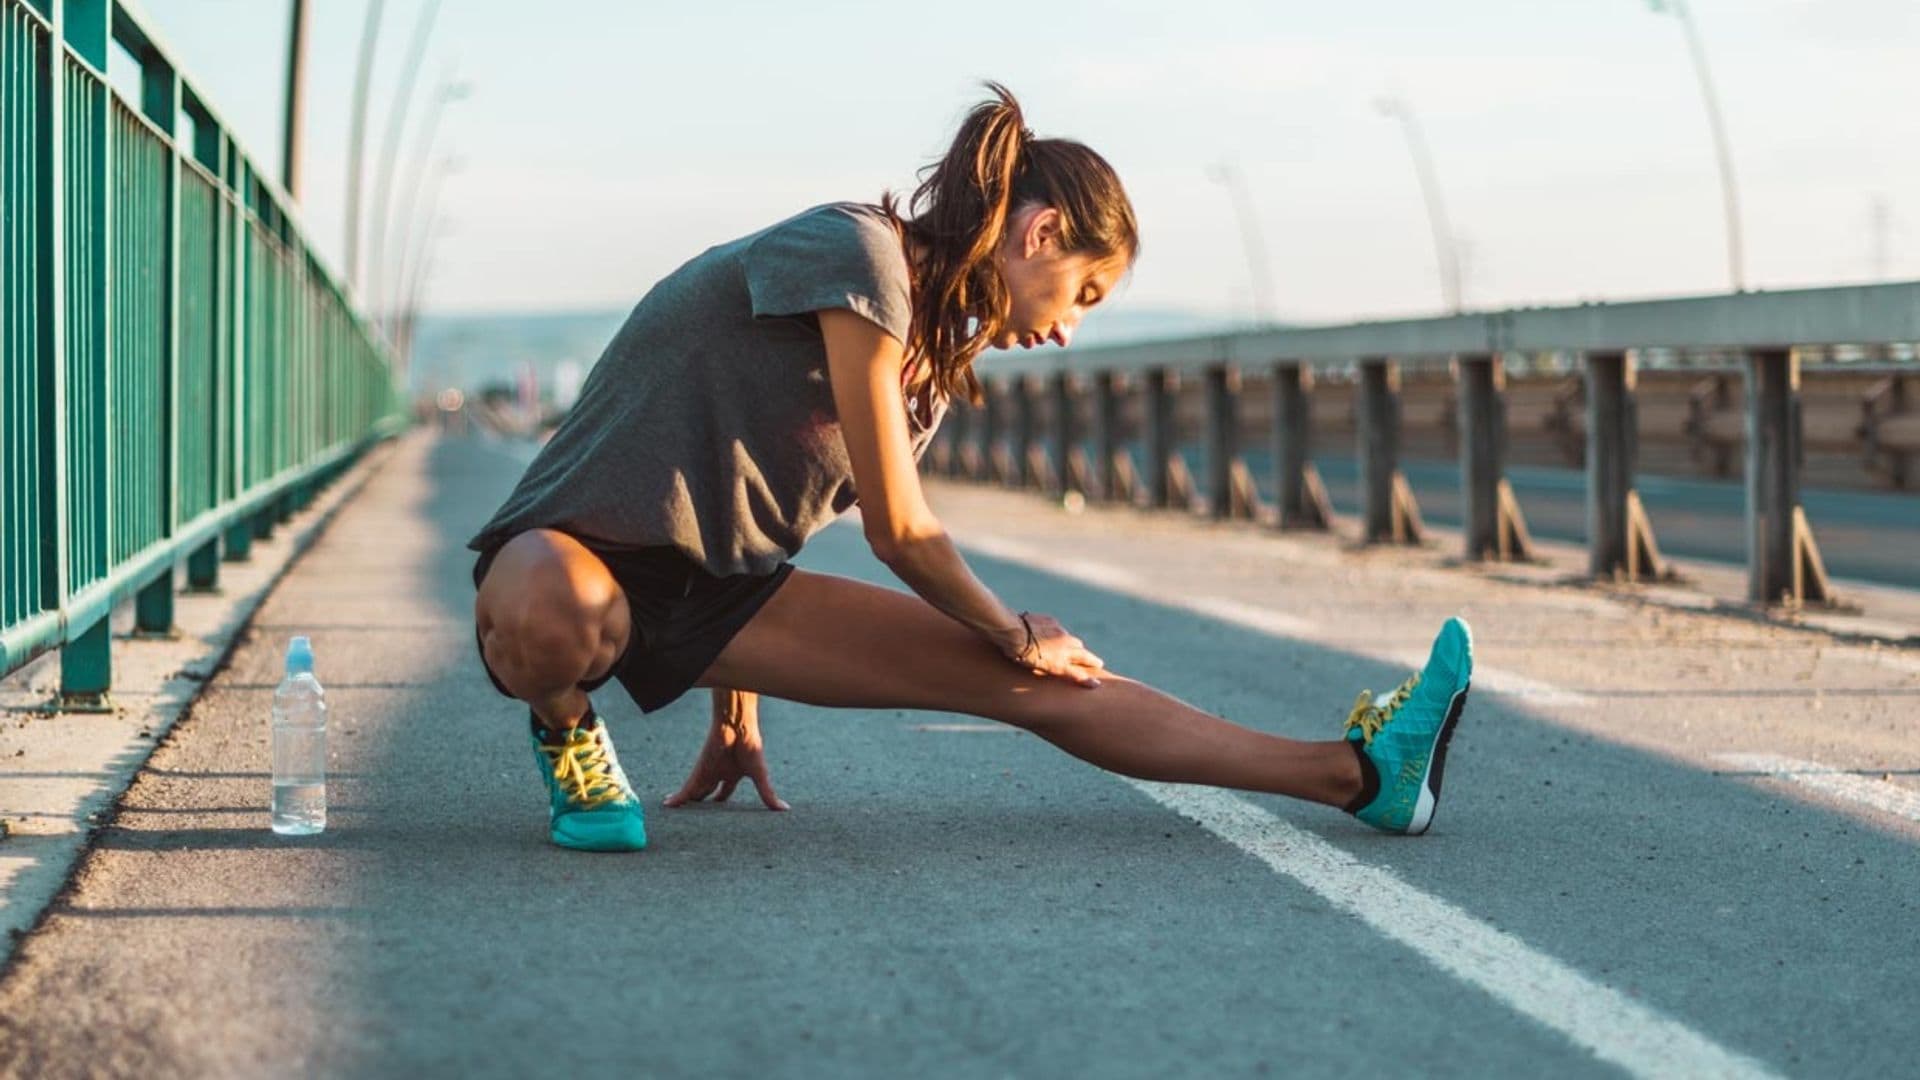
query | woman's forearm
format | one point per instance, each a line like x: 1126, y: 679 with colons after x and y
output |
x: 931, y: 566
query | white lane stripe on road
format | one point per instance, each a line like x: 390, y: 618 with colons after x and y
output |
x: 1883, y: 795
x: 1592, y: 1015
x: 1494, y: 680
x: 1266, y: 620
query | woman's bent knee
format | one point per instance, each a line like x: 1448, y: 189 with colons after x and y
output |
x: 549, y: 614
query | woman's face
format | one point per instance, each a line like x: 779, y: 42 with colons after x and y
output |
x: 1051, y: 292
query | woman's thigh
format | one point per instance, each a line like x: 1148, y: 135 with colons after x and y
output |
x: 829, y: 640
x: 548, y: 597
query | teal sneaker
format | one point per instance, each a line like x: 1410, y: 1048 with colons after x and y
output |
x: 1402, y: 736
x: 592, y: 807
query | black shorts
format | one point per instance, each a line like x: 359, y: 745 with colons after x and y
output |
x: 682, y: 618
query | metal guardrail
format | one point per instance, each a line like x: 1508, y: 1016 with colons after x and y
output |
x: 181, y: 371
x: 1771, y: 332
x: 1850, y: 315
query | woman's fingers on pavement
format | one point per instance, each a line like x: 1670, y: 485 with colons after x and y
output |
x: 697, y: 789
x: 765, y: 787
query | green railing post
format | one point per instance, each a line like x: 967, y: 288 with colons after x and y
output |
x: 239, y: 541
x: 86, y: 661
x: 86, y: 670
x: 203, y: 568
x: 153, y: 609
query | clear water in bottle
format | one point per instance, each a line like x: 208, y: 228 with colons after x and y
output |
x: 299, y: 747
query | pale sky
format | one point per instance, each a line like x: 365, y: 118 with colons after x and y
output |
x: 606, y: 142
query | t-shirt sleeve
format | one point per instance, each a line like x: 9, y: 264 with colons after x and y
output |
x: 831, y: 257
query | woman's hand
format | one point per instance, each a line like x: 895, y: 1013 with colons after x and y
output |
x: 733, y: 751
x: 1052, y: 650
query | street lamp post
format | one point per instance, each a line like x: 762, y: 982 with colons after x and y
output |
x: 294, y: 127
x: 1729, y: 191
x: 449, y: 90
x: 390, y: 149
x: 1250, y: 237
x: 1396, y: 107
x: 419, y: 232
x: 357, y: 140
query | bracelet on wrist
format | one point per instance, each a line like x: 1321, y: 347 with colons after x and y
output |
x: 1029, y: 652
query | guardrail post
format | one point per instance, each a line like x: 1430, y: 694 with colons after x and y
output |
x: 264, y: 520
x: 1159, y: 436
x: 1783, y: 562
x: 1619, y: 536
x: 1069, y: 461
x: 950, y: 440
x: 966, y: 442
x: 993, y: 455
x: 1494, y: 525
x: 1303, y: 498
x: 1230, y: 490
x: 1024, y: 443
x: 1392, y: 515
x: 1113, y: 466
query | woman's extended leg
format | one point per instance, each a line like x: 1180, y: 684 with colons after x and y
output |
x: 828, y: 640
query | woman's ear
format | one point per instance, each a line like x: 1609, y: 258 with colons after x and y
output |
x: 1042, y: 227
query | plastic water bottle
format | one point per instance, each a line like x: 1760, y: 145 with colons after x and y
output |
x: 299, y: 747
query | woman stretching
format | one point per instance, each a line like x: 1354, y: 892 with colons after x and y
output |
x: 758, y: 392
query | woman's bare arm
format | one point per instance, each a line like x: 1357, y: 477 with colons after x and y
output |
x: 864, y: 364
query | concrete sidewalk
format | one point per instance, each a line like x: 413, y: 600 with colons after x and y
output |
x: 957, y: 898
x: 61, y: 773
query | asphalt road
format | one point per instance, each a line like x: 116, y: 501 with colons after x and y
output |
x: 964, y: 900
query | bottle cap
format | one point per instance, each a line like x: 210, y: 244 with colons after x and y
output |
x: 299, y: 656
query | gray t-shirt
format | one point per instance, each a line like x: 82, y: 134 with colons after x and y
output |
x: 709, y: 423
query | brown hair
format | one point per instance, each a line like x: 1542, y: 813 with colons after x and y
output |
x: 960, y: 214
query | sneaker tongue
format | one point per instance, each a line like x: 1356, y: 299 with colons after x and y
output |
x: 564, y: 737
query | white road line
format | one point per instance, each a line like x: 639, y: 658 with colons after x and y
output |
x: 1099, y: 575
x: 1266, y: 620
x: 969, y: 729
x: 1592, y: 1015
x: 1494, y: 680
x: 1882, y: 795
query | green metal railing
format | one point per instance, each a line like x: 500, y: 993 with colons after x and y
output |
x: 180, y: 371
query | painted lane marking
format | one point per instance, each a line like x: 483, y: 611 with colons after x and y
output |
x: 1592, y: 1015
x: 1265, y: 620
x: 1882, y: 795
x: 968, y: 729
x: 1507, y: 683
x: 1099, y: 575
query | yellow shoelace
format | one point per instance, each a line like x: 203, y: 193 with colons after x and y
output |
x: 1370, y: 714
x: 581, y: 768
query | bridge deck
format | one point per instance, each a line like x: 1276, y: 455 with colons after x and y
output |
x: 1605, y: 882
